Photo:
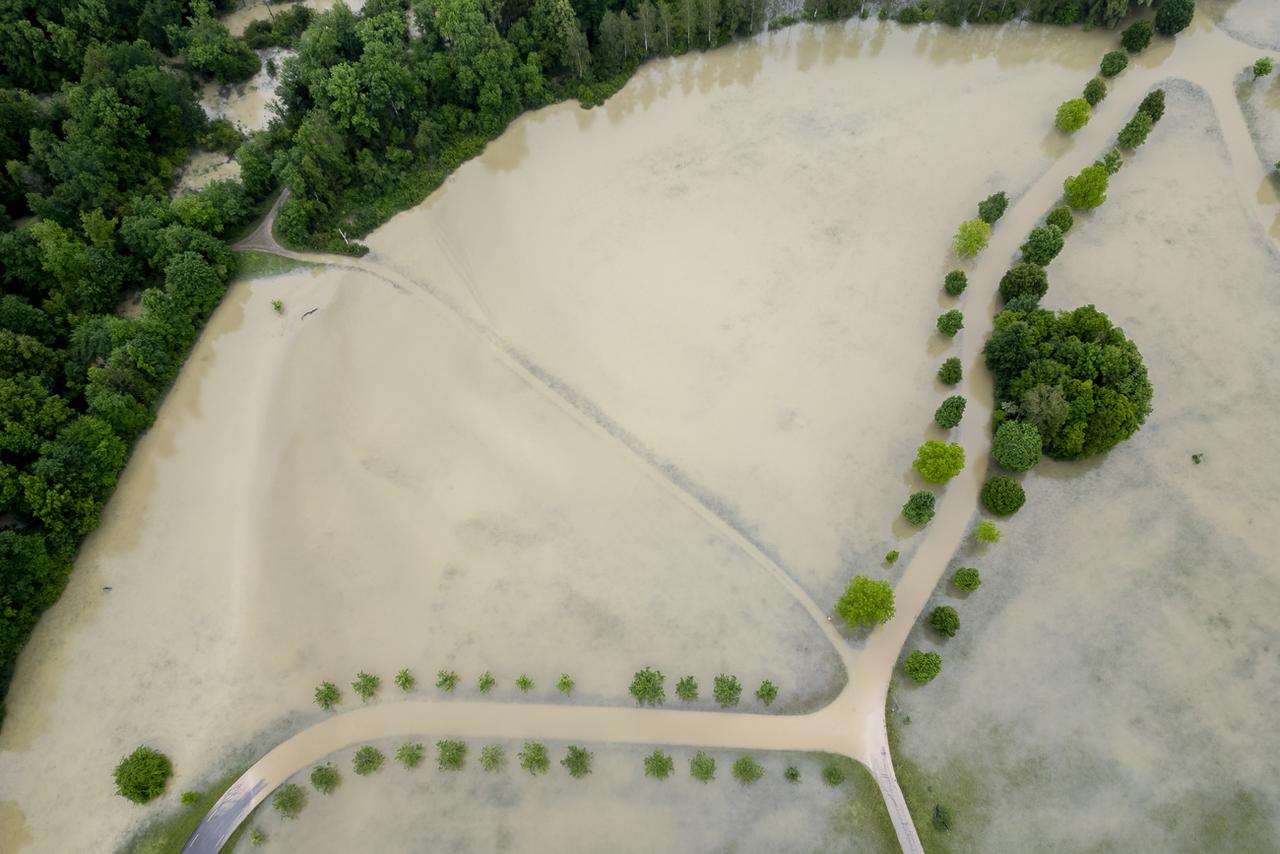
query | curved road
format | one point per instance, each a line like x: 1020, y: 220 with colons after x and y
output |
x: 853, y: 724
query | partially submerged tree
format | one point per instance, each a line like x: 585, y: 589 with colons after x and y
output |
x: 866, y: 602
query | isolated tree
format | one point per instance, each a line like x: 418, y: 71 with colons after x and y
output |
x: 486, y: 682
x: 726, y: 690
x: 1136, y: 36
x: 687, y: 689
x: 1095, y: 91
x: 577, y: 761
x: 1113, y: 63
x: 1135, y: 132
x: 1042, y: 245
x: 565, y: 684
x: 1073, y: 115
x: 1263, y: 67
x: 1003, y: 495
x: 325, y: 778
x: 966, y: 578
x: 919, y: 508
x: 866, y: 602
x: 411, y: 755
x: 948, y: 415
x: 492, y: 757
x: 524, y: 683
x: 658, y: 765
x: 833, y: 775
x: 367, y: 760
x: 1060, y: 217
x: 1086, y: 190
x: 1174, y: 16
x: 938, y: 462
x: 647, y: 687
x: 891, y: 557
x: 289, y: 800
x: 366, y: 685
x: 955, y: 283
x: 447, y: 680
x: 767, y: 692
x: 702, y: 767
x: 987, y: 532
x: 746, y: 770
x: 971, y: 237
x: 945, y: 620
x: 328, y: 696
x: 1153, y: 104
x: 404, y: 679
x: 950, y: 372
x: 792, y: 774
x: 950, y: 322
x: 141, y: 776
x: 534, y: 758
x: 922, y: 667
x: 450, y: 754
x: 993, y: 207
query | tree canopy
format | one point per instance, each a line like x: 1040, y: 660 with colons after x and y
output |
x: 866, y: 602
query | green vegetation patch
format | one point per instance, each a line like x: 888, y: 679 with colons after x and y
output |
x: 167, y: 834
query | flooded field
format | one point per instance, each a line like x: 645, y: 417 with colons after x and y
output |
x: 1112, y: 684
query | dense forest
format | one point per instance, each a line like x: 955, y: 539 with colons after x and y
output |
x: 99, y: 107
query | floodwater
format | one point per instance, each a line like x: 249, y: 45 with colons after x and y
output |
x: 203, y: 168
x: 733, y: 268
x: 247, y: 105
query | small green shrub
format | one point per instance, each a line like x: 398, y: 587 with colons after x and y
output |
x: 405, y: 680
x: 1073, y: 115
x: 189, y: 798
x: 833, y: 775
x: 328, y: 696
x: 524, y: 683
x: 367, y: 760
x: 1111, y: 162
x: 1153, y: 105
x: 971, y: 238
x: 993, y: 207
x: 1113, y: 63
x: 289, y: 800
x: 1025, y: 279
x: 647, y: 687
x: 658, y: 765
x: 792, y: 774
x: 945, y: 620
x: 577, y: 762
x: 950, y: 322
x: 450, y: 754
x: 702, y: 767
x: 1061, y: 218
x: 938, y: 462
x: 1136, y: 37
x: 891, y: 557
x: 1263, y: 67
x: 493, y: 757
x: 866, y: 602
x: 948, y: 415
x: 1135, y: 132
x: 727, y: 690
x: 922, y: 667
x: 257, y: 837
x: 142, y: 775
x: 987, y: 532
x: 1095, y: 91
x: 950, y: 373
x: 325, y: 778
x: 565, y: 684
x: 1042, y: 245
x: 1016, y: 445
x: 278, y: 305
x: 746, y: 770
x: 767, y: 692
x: 941, y: 818
x: 487, y: 682
x: 1003, y: 495
x: 366, y: 686
x: 687, y: 689
x: 447, y: 680
x: 966, y: 578
x: 955, y: 283
x: 1088, y: 189
x: 534, y: 758
x: 919, y: 508
x: 411, y: 755
x: 1174, y: 16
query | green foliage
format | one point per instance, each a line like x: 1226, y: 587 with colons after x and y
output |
x: 1072, y: 377
x: 792, y: 774
x: 1016, y: 445
x: 746, y: 770
x: 647, y: 687
x: 1073, y: 115
x: 727, y: 690
x: 278, y: 306
x: 945, y: 620
x: 987, y: 532
x: 971, y: 237
x: 565, y: 684
x: 950, y: 322
x: 534, y: 758
x: 367, y: 760
x: 833, y: 775
x: 1024, y: 280
x: 1153, y: 104
x: 577, y: 761
x: 1003, y: 495
x: 189, y: 798
x: 993, y: 207
x: 891, y: 557
x: 1135, y: 132
x: 941, y: 818
x: 447, y: 680
x: 767, y: 692
x: 950, y: 372
x: 866, y: 602
x: 1113, y: 63
x: 366, y: 685
x: 325, y: 778
x: 411, y: 755
x: 687, y: 689
x: 486, y: 682
x: 658, y: 765
x: 1135, y: 37
x: 955, y: 283
x: 702, y: 767
x: 966, y: 578
x: 492, y: 757
x: 1111, y: 161
x: 283, y: 29
x: 1086, y: 190
x: 524, y: 683
x: 1042, y: 245
x: 1174, y: 16
x: 1263, y: 67
x: 141, y: 776
x: 948, y: 415
x: 922, y: 667
x: 289, y: 800
x: 450, y: 754
x: 1095, y: 91
x: 1061, y: 218
x: 256, y: 837
x: 405, y: 680
x: 919, y: 508
x: 211, y: 51
x: 938, y: 462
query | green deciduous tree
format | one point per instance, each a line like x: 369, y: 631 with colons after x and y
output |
x: 325, y: 778
x: 658, y: 765
x: 938, y: 462
x: 492, y: 757
x: 366, y: 685
x: 948, y: 415
x: 1016, y: 445
x: 950, y: 322
x: 727, y: 690
x: 141, y: 776
x: 746, y: 770
x: 687, y: 689
x: 1042, y: 245
x: 971, y: 238
x: 922, y: 667
x: 702, y: 767
x: 451, y: 754
x: 987, y: 532
x: 966, y: 578
x: 1113, y: 63
x: 1024, y: 280
x: 647, y: 687
x: 767, y: 692
x: 447, y: 680
x: 411, y: 755
x: 577, y: 761
x: 945, y: 620
x: 534, y: 758
x: 328, y: 696
x: 1073, y: 115
x: 1002, y: 495
x: 866, y: 602
x: 1174, y: 16
x: 1262, y: 67
x: 289, y: 800
x: 1095, y: 91
x: 1153, y: 104
x: 1060, y: 217
x: 1136, y: 36
x: 1086, y: 190
x: 367, y: 760
x: 565, y: 684
x: 955, y: 283
x: 1135, y: 132
x: 833, y: 775
x: 950, y: 372
x: 919, y: 508
x: 405, y: 680
x: 993, y: 207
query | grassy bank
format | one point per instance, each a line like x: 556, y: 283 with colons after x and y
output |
x: 167, y: 835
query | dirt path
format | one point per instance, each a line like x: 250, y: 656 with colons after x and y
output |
x: 853, y: 724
